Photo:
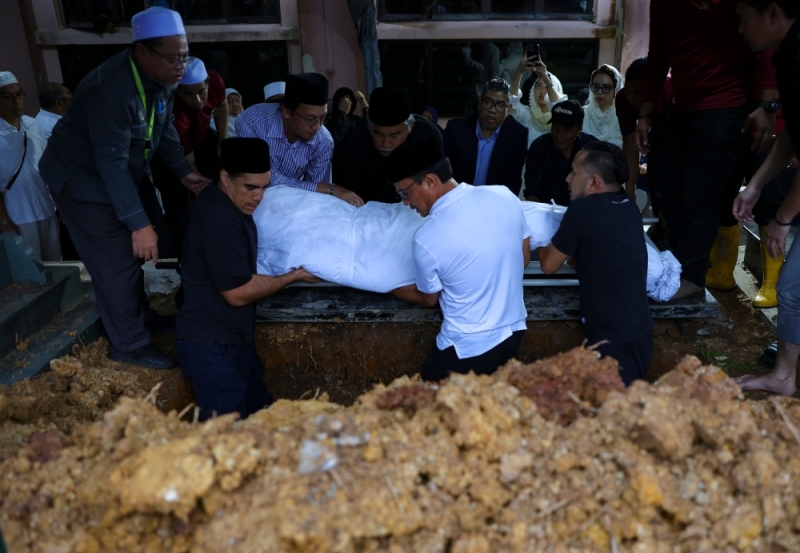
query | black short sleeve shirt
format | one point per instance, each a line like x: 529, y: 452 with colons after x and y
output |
x: 604, y: 233
x: 219, y: 254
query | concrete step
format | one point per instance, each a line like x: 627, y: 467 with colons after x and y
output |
x: 25, y: 308
x: 81, y: 324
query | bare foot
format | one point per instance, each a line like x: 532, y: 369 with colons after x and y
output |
x: 768, y: 383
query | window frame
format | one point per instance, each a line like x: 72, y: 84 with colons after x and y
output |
x: 486, y: 61
x: 486, y: 14
x: 226, y: 19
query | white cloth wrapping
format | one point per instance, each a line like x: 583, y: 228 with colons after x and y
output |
x: 663, y: 274
x: 369, y: 248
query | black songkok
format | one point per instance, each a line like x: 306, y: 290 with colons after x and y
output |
x: 412, y: 158
x: 307, y: 88
x: 244, y: 155
x: 389, y: 106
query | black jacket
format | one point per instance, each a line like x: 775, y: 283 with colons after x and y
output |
x: 357, y: 164
x: 98, y: 147
x: 508, y: 154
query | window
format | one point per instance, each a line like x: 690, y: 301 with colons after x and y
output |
x: 410, y: 10
x: 450, y: 75
x: 104, y: 15
x: 245, y: 66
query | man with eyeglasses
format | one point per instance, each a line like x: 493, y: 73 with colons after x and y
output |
x: 97, y: 167
x: 550, y: 156
x: 470, y: 255
x: 357, y: 159
x: 300, y: 147
x: 54, y: 100
x: 200, y: 96
x: 25, y: 203
x: 488, y: 147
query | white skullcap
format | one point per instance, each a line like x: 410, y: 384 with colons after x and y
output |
x: 195, y: 73
x: 156, y: 22
x: 7, y: 77
x: 273, y: 89
x: 229, y: 91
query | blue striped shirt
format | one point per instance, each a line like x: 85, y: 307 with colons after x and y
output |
x: 302, y: 164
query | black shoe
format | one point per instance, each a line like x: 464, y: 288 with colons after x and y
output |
x: 770, y: 355
x: 161, y: 324
x: 147, y: 356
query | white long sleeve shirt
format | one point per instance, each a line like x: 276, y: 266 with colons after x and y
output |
x: 29, y: 199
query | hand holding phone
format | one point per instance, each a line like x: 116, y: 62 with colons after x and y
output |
x: 532, y: 51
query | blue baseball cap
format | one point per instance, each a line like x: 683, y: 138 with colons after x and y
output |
x: 156, y: 22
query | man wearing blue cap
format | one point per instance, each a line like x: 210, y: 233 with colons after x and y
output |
x: 96, y: 165
x: 199, y: 97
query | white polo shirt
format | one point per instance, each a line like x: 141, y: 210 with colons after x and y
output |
x: 47, y: 121
x: 29, y: 199
x: 470, y: 249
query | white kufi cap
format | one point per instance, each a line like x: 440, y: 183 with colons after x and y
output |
x: 273, y: 89
x: 229, y: 91
x: 7, y: 77
x: 156, y: 22
x: 195, y: 73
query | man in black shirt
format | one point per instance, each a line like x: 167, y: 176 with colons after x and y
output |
x: 550, y: 155
x: 215, y: 327
x: 357, y: 159
x: 612, y: 272
x: 774, y: 25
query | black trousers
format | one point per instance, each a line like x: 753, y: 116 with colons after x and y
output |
x: 176, y: 198
x: 633, y: 356
x: 105, y: 247
x: 225, y: 378
x: 440, y: 364
x: 697, y: 154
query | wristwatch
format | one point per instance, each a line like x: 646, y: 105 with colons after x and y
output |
x: 770, y: 106
x: 333, y: 187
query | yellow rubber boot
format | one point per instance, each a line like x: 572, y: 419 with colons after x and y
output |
x: 771, y: 268
x: 723, y: 258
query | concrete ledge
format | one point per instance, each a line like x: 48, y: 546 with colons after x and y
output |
x: 243, y: 32
x: 346, y: 305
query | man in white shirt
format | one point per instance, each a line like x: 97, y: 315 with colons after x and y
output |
x: 470, y: 256
x: 27, y: 204
x: 54, y: 99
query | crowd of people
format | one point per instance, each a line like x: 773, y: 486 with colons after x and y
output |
x: 154, y: 156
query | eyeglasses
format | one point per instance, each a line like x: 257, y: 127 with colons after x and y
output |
x: 312, y: 121
x: 174, y: 61
x: 18, y: 97
x: 404, y: 192
x: 606, y: 88
x: 488, y: 103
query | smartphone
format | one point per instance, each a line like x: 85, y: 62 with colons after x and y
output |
x: 532, y: 50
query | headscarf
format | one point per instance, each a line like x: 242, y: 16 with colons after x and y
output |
x: 603, y: 124
x: 540, y: 120
x: 434, y: 113
x: 337, y: 97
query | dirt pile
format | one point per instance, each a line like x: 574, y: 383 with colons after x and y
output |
x: 79, y: 388
x: 472, y: 465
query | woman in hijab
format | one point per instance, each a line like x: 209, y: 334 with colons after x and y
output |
x: 342, y: 120
x: 235, y: 109
x: 545, y: 93
x: 600, y: 114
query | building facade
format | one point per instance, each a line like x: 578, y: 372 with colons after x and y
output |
x: 440, y: 50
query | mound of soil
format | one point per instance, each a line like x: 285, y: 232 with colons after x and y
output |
x: 554, y: 456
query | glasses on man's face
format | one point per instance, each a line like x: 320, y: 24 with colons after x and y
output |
x: 18, y: 97
x: 488, y: 104
x: 606, y: 88
x: 312, y: 121
x: 403, y: 194
x: 174, y: 61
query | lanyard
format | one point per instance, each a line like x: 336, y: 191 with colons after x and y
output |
x: 140, y: 88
